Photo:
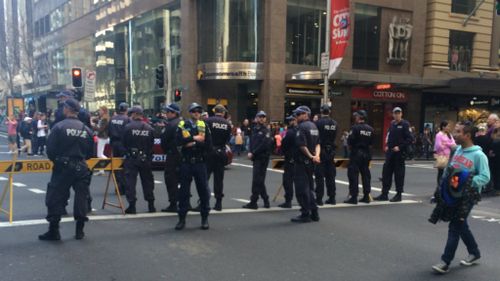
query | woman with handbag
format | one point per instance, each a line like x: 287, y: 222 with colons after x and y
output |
x: 443, y: 145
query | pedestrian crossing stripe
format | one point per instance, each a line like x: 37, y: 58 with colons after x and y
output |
x: 45, y: 166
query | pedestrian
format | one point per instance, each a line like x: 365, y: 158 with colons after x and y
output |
x: 26, y: 132
x: 12, y: 133
x: 68, y: 146
x: 194, y: 139
x: 427, y: 143
x: 492, y: 122
x: 467, y: 159
x: 306, y: 154
x: 246, y: 130
x: 34, y: 139
x: 360, y: 143
x: 398, y: 140
x: 326, y: 171
x: 41, y: 133
x: 442, y: 147
x: 259, y: 153
x: 173, y: 161
x: 345, y: 144
x: 116, y: 130
x: 287, y: 147
x: 101, y: 128
x: 494, y: 157
x: 138, y: 142
x: 220, y: 130
x: 238, y: 141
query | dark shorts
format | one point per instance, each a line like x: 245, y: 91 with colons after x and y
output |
x: 12, y: 138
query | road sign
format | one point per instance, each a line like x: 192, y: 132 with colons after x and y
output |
x: 45, y: 166
x: 325, y: 62
x: 90, y: 85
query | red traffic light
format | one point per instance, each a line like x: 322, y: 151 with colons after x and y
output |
x: 178, y: 95
x: 77, y: 72
x: 76, y: 77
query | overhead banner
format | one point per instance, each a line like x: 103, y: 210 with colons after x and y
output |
x: 339, y: 33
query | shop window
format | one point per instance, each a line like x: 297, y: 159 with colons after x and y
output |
x: 460, y: 50
x: 366, y: 37
x: 463, y: 6
x: 305, y: 31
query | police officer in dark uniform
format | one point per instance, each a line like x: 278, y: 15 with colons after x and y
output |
x: 115, y: 131
x: 307, y: 153
x: 260, y: 152
x: 138, y: 141
x: 173, y: 161
x: 398, y: 140
x: 69, y: 144
x: 220, y: 129
x: 82, y: 114
x: 325, y: 172
x: 360, y: 141
x: 287, y: 147
x: 195, y: 141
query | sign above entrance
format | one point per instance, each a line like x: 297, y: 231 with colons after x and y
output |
x: 384, y: 95
x: 231, y: 71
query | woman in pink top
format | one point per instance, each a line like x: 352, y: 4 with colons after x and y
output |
x: 443, y: 144
x: 12, y: 132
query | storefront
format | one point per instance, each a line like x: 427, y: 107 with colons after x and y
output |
x: 303, y: 94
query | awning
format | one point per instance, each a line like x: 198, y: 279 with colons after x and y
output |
x: 469, y: 86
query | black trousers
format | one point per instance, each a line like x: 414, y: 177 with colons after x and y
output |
x: 304, y: 185
x: 198, y: 172
x: 58, y: 191
x: 394, y: 165
x: 119, y: 151
x: 288, y: 176
x: 171, y: 176
x: 326, y: 172
x: 215, y: 165
x: 40, y: 145
x: 259, y: 178
x: 359, y: 163
x: 132, y: 168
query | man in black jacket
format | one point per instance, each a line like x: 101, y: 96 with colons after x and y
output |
x: 287, y: 147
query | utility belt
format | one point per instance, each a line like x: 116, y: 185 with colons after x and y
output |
x: 136, y: 154
x: 74, y: 163
x: 193, y: 160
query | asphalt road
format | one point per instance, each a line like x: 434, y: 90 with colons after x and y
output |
x: 363, y: 242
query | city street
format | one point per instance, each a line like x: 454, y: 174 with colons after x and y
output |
x: 365, y: 242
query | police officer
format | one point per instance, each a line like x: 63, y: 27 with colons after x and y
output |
x: 260, y: 151
x: 307, y: 153
x: 325, y: 172
x: 217, y: 158
x: 82, y: 114
x: 360, y: 141
x: 195, y: 141
x: 115, y: 131
x: 398, y: 140
x: 69, y: 144
x: 287, y: 147
x: 172, y: 163
x: 138, y: 141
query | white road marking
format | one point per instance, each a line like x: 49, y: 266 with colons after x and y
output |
x: 337, y: 181
x: 18, y: 184
x: 225, y: 211
x: 241, y: 200
x: 4, y: 179
x: 158, y: 182
x: 420, y: 166
x: 37, y: 191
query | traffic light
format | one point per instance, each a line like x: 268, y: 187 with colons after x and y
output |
x: 178, y: 95
x: 76, y: 77
x: 160, y: 76
x: 497, y: 7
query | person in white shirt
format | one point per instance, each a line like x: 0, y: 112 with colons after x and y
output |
x: 41, y: 134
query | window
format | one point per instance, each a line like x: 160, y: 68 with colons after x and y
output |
x: 305, y: 31
x: 463, y: 6
x: 366, y: 37
x: 460, y: 51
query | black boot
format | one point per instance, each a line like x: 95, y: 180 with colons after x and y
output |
x: 53, y: 233
x: 252, y: 205
x: 396, y: 198
x: 172, y: 208
x: 351, y: 200
x: 267, y: 205
x: 131, y: 208
x: 151, y: 206
x: 218, y: 205
x: 319, y: 201
x: 204, y: 223
x: 331, y: 201
x: 287, y: 205
x: 182, y: 222
x: 314, y: 215
x: 381, y: 197
x: 365, y: 199
x: 303, y: 218
x: 79, y: 234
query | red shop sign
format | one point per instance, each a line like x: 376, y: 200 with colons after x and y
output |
x: 373, y: 94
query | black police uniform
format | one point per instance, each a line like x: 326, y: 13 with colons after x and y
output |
x: 260, y: 147
x: 83, y: 116
x: 325, y: 171
x: 173, y: 161
x: 193, y: 165
x: 308, y: 136
x: 398, y: 135
x: 138, y: 141
x: 287, y: 147
x: 217, y: 158
x: 116, y: 131
x: 69, y: 144
x: 360, y: 141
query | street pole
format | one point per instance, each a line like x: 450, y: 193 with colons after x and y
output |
x: 168, y: 57
x: 327, y: 51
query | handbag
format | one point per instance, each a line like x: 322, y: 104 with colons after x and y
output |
x: 441, y: 161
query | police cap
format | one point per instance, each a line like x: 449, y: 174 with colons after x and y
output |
x: 326, y: 108
x: 136, y: 109
x: 261, y: 114
x: 122, y: 107
x: 290, y: 118
x: 194, y: 106
x: 361, y: 113
x: 397, y: 109
x: 219, y: 109
x: 302, y: 109
x: 72, y: 105
x: 172, y: 108
x: 66, y: 94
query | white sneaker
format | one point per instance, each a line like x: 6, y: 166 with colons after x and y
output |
x: 441, y: 267
x: 470, y: 260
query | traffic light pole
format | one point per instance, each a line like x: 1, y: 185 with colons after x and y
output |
x: 326, y: 85
x: 168, y: 76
